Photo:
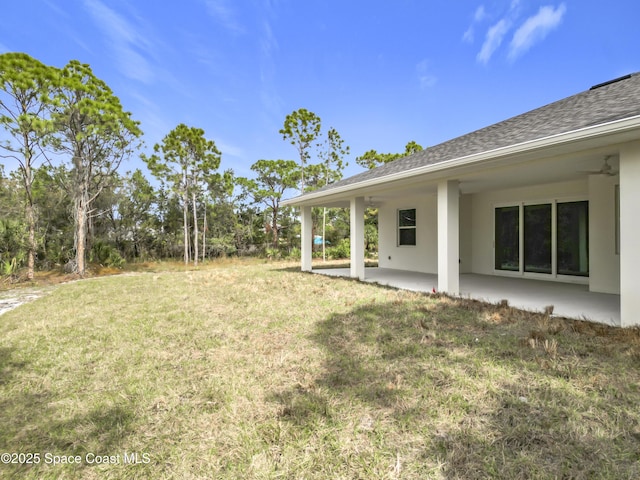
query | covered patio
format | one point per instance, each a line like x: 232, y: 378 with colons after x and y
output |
x: 539, y: 209
x: 569, y: 300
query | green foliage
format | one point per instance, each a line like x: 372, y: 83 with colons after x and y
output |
x: 412, y: 147
x: 184, y: 158
x: 136, y: 199
x: 12, y: 246
x: 371, y: 237
x: 273, y: 178
x: 25, y: 103
x: 73, y: 113
x: 167, y: 225
x: 9, y: 267
x: 342, y: 250
x: 371, y: 230
x: 106, y: 255
x: 372, y: 159
x: 94, y: 128
x: 332, y: 155
x: 301, y: 128
x: 53, y: 204
x: 221, y: 246
x: 96, y: 134
x: 272, y: 253
x: 12, y: 239
x: 185, y: 161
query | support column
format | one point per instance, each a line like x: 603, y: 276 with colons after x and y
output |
x: 629, y: 234
x: 449, y: 237
x: 357, y: 237
x: 306, y: 241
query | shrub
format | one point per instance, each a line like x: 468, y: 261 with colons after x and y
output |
x: 272, y: 253
x: 221, y: 246
x: 106, y: 255
x: 342, y: 250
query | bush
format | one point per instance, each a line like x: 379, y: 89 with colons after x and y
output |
x: 342, y: 250
x: 106, y: 255
x: 221, y: 246
x: 272, y: 253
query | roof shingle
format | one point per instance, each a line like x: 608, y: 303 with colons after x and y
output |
x: 604, y: 103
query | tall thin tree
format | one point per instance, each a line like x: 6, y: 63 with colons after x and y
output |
x: 96, y: 134
x: 332, y: 155
x: 185, y: 160
x: 301, y: 128
x: 273, y: 178
x: 25, y: 106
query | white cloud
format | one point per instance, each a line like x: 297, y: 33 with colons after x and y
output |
x: 124, y: 39
x: 480, y: 14
x: 271, y: 101
x: 268, y: 42
x: 426, y: 78
x: 535, y: 29
x: 224, y: 14
x: 469, y: 35
x: 493, y: 40
x: 230, y: 149
x: 56, y: 9
x: 3, y: 49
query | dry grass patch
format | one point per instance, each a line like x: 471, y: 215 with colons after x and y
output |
x: 258, y: 371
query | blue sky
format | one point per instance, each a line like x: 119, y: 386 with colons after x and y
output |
x: 381, y: 72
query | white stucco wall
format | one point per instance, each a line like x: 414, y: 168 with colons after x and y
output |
x: 604, y: 262
x: 483, y: 204
x: 424, y: 256
x: 477, y: 229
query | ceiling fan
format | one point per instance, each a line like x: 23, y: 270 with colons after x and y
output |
x: 606, y: 169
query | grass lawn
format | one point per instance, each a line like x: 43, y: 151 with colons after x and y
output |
x: 249, y: 370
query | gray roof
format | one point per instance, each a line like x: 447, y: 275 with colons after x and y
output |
x: 603, y: 103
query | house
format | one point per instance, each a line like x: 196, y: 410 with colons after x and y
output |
x: 552, y: 194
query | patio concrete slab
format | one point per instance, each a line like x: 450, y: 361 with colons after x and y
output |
x: 569, y: 300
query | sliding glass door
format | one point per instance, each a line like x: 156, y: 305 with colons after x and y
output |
x: 528, y: 232
x: 573, y: 238
x: 507, y: 238
x: 537, y: 238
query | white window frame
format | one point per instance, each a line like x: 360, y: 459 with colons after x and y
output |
x: 554, y: 275
x: 414, y: 227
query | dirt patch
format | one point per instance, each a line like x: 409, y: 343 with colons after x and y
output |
x: 15, y: 298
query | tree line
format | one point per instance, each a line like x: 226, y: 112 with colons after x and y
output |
x: 68, y: 203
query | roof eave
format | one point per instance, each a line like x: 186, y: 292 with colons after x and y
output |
x: 615, y: 127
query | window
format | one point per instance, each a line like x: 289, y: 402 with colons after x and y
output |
x: 529, y: 230
x: 573, y: 238
x: 537, y: 238
x: 507, y: 238
x: 407, y: 227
